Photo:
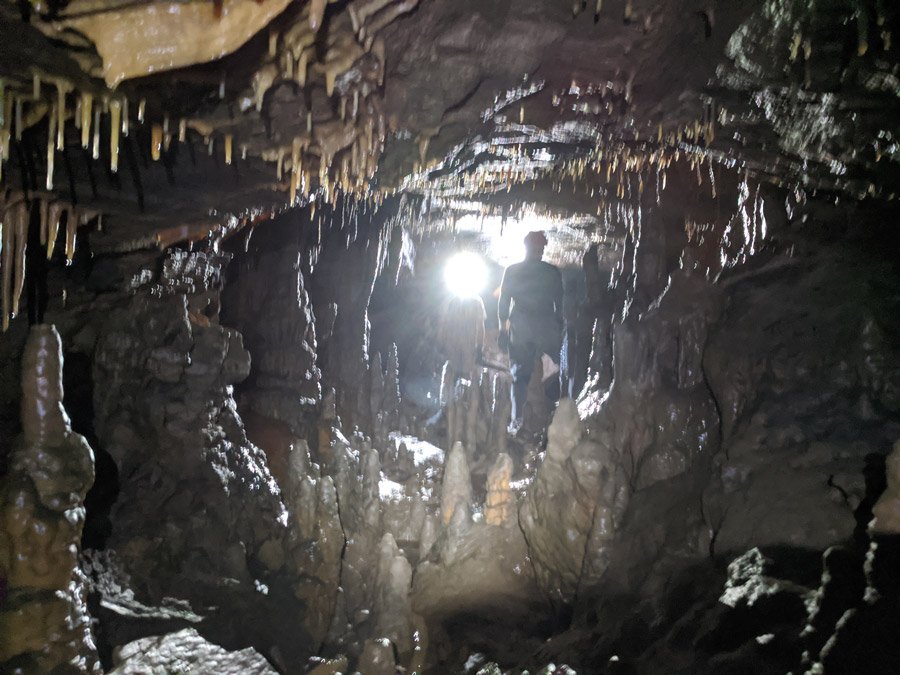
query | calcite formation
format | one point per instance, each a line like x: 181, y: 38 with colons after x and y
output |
x: 44, y: 619
x: 500, y: 500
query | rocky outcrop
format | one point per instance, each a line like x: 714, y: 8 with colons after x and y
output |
x: 887, y: 509
x: 43, y: 615
x: 186, y: 651
x: 199, y: 516
x: 266, y: 299
x: 191, y: 484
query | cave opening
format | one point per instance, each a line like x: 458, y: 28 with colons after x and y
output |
x: 434, y: 336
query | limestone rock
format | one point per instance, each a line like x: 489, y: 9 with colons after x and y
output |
x: 377, y: 658
x: 43, y: 619
x: 887, y: 509
x: 500, y: 501
x: 186, y: 651
x: 456, y: 490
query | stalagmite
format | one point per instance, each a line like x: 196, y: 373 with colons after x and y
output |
x: 456, y: 489
x: 156, y: 138
x: 87, y: 107
x: 41, y: 518
x: 51, y: 149
x: 500, y: 500
x: 20, y: 222
x: 115, y: 115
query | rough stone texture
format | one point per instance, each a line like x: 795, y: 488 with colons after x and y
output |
x: 803, y: 401
x: 198, y: 506
x: 186, y: 651
x: 266, y: 299
x: 456, y: 490
x: 887, y: 509
x: 43, y: 616
x: 377, y: 658
x: 500, y: 500
x: 163, y: 374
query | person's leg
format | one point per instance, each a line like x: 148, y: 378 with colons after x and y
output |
x: 521, y: 366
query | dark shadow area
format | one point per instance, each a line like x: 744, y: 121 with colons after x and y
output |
x: 78, y: 386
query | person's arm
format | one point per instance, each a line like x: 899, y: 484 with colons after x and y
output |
x: 503, y: 312
x: 558, y: 296
x: 504, y: 302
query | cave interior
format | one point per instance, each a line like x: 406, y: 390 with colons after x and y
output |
x: 204, y: 471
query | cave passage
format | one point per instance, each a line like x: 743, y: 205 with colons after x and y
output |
x: 449, y: 336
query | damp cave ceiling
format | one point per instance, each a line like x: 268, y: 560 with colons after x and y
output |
x: 248, y: 106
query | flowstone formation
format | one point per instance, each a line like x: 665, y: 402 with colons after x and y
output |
x: 44, y: 621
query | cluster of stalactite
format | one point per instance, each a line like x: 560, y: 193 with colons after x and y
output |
x: 325, y: 149
x: 18, y: 214
x: 346, y: 147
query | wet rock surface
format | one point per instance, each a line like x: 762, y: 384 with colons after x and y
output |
x: 283, y: 488
x: 43, y: 616
x: 186, y: 651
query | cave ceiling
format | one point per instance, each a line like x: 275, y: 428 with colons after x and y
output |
x: 178, y: 120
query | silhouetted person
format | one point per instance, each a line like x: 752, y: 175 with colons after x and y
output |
x: 534, y: 326
x: 462, y: 337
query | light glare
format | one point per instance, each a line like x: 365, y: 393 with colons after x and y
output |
x: 465, y: 274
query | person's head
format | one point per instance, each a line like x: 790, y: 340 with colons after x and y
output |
x: 535, y: 242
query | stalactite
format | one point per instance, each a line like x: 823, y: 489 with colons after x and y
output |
x: 87, y: 107
x: 316, y: 13
x: 54, y: 214
x: 62, y: 88
x: 51, y: 149
x: 6, y: 257
x: 95, y: 145
x: 229, y: 139
x: 20, y: 220
x: 115, y: 114
x: 71, y: 232
x: 156, y: 138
